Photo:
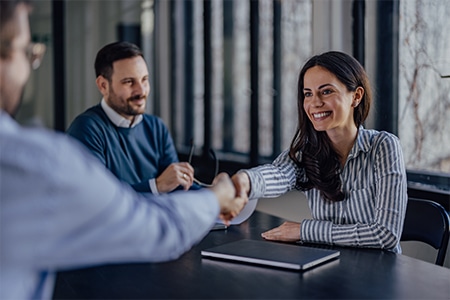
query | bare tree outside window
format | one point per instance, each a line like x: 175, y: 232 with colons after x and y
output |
x: 424, y: 93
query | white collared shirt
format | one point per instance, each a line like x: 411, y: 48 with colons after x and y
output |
x: 117, y: 119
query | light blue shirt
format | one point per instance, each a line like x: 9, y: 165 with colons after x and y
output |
x: 374, y: 182
x: 61, y: 209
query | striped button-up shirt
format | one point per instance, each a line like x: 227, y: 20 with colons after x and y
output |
x: 374, y: 181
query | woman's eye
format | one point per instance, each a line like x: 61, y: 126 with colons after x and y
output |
x: 307, y: 94
x: 326, y: 92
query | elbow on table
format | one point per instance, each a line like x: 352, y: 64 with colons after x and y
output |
x: 389, y: 240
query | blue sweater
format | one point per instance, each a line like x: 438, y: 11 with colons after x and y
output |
x: 134, y: 155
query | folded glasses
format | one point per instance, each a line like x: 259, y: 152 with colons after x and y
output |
x: 216, y: 165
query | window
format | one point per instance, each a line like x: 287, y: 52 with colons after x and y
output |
x: 224, y: 73
x: 424, y: 89
x: 246, y: 40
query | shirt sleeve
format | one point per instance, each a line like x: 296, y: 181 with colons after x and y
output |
x: 75, y: 213
x: 379, y: 209
x: 153, y: 187
x: 146, y: 186
x: 273, y: 180
x: 369, y: 217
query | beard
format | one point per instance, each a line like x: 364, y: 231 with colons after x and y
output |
x: 126, y: 106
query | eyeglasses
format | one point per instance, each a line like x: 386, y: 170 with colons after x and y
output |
x: 216, y: 163
x: 35, y: 53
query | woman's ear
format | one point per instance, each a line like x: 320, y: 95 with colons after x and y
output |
x: 357, y: 96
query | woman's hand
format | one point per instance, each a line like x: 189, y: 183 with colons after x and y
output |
x: 286, y: 232
x: 241, y: 184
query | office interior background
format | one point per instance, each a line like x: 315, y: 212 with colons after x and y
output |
x: 224, y: 73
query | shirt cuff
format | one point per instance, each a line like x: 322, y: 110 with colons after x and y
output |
x: 315, y: 231
x: 257, y: 184
x: 153, y: 188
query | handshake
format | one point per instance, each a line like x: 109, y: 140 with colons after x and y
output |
x: 231, y: 193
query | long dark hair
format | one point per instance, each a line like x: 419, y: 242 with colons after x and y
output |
x: 312, y: 150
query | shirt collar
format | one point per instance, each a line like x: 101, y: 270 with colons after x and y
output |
x: 117, y: 119
x: 362, y: 143
x: 7, y: 123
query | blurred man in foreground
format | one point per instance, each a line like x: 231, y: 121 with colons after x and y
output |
x: 60, y: 208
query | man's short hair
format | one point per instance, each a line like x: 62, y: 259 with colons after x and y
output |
x: 8, y: 29
x: 111, y: 53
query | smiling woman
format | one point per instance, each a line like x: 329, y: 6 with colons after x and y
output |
x: 354, y: 178
x: 334, y: 94
x: 328, y: 104
x: 331, y: 108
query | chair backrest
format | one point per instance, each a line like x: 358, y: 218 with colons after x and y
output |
x: 428, y: 222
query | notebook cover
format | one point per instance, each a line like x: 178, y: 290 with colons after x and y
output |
x: 273, y: 254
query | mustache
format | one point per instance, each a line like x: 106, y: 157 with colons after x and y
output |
x: 138, y: 97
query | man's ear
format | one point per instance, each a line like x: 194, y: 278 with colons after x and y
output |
x: 102, y: 85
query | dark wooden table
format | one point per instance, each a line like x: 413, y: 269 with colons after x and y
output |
x: 358, y: 273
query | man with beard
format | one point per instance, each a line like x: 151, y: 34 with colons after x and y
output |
x: 135, y: 146
x: 60, y: 208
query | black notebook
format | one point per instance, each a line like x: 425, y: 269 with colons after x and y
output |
x: 273, y: 254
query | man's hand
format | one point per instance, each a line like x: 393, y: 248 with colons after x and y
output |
x: 286, y: 232
x: 174, y: 175
x: 230, y: 205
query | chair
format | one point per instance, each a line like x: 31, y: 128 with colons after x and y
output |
x: 428, y: 222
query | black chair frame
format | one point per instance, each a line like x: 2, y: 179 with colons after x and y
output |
x: 428, y: 222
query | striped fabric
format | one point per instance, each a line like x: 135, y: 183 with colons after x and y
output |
x: 374, y: 182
